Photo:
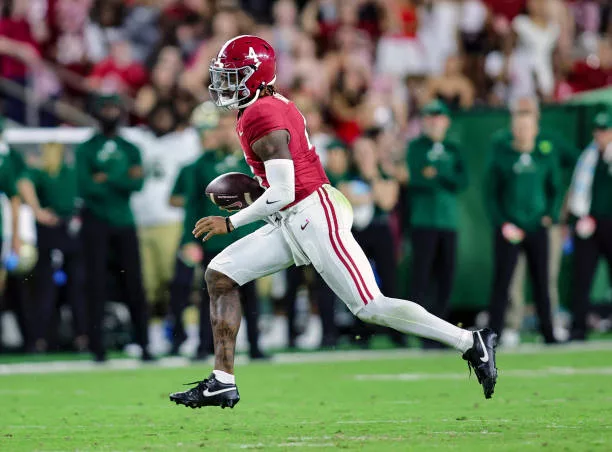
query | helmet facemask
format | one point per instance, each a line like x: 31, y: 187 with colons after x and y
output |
x: 228, y: 85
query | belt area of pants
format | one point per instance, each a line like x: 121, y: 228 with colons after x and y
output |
x: 281, y: 219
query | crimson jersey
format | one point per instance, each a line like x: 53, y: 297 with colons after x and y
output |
x: 272, y: 113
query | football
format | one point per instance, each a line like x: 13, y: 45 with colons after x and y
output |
x: 233, y: 191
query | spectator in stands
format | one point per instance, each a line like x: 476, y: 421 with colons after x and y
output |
x: 474, y: 42
x: 286, y: 35
x: 537, y: 37
x: 20, y: 53
x: 437, y: 175
x: 163, y: 85
x: 51, y: 192
x: 347, y: 103
x: 319, y: 132
x: 164, y: 151
x: 119, y: 73
x: 373, y: 195
x: 105, y: 28
x: 594, y: 72
x: 590, y: 204
x: 305, y: 70
x: 140, y: 26
x: 453, y: 88
x: 399, y: 52
x: 523, y: 194
x: 561, y: 148
x: 438, y: 31
x: 109, y: 170
x: 224, y: 27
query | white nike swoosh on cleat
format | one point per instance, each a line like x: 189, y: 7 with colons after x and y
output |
x: 485, y: 358
x: 207, y: 393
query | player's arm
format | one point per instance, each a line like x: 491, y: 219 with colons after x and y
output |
x: 27, y: 190
x: 273, y: 150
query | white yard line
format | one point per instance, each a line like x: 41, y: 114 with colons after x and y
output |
x: 292, y: 358
x: 517, y: 373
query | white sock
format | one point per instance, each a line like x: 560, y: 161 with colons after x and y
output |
x: 224, y: 377
x: 409, y: 317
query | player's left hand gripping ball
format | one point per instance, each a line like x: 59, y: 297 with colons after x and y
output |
x: 212, y: 226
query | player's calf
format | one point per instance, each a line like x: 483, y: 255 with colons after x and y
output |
x: 225, y: 316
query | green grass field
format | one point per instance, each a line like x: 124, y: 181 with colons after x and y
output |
x: 557, y: 399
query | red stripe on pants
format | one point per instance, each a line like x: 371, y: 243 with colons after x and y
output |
x: 331, y: 238
x: 344, y: 249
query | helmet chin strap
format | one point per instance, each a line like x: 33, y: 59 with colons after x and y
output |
x: 255, y: 97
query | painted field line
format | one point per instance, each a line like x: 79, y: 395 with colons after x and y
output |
x: 281, y: 358
x: 513, y: 373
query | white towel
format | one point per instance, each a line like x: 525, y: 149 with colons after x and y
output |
x: 580, y: 194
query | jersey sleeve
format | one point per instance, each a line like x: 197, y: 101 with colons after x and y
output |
x: 262, y: 118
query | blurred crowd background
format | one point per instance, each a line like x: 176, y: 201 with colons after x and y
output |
x: 359, y: 62
x: 372, y: 78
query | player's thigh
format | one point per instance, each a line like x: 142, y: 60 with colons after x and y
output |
x: 256, y: 255
x: 335, y: 253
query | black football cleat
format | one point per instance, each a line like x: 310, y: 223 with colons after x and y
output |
x: 208, y: 392
x: 481, y: 358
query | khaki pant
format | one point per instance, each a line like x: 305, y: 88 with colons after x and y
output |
x: 516, y: 308
x: 158, y: 245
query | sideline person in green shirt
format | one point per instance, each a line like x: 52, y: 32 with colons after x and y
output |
x: 221, y: 154
x: 109, y: 170
x: 373, y: 194
x: 437, y: 176
x: 51, y: 191
x: 590, y: 204
x: 522, y: 196
x: 552, y: 142
x: 8, y: 186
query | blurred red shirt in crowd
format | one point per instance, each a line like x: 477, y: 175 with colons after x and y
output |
x: 585, y: 76
x: 17, y: 29
x: 119, y: 72
x: 506, y: 8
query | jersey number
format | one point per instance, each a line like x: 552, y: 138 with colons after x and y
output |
x: 285, y: 100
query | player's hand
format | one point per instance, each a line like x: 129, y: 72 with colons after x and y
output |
x: 136, y: 172
x: 429, y: 172
x: 546, y: 221
x: 100, y: 177
x: 46, y: 217
x: 210, y: 226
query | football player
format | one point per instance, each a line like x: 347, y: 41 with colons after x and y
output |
x: 308, y: 222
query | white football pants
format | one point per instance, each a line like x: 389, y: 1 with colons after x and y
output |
x: 317, y: 230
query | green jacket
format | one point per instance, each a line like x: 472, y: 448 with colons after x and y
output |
x: 434, y: 202
x: 556, y: 144
x: 8, y: 183
x: 57, y: 192
x: 197, y: 205
x: 108, y: 200
x: 521, y: 188
x: 601, y: 201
